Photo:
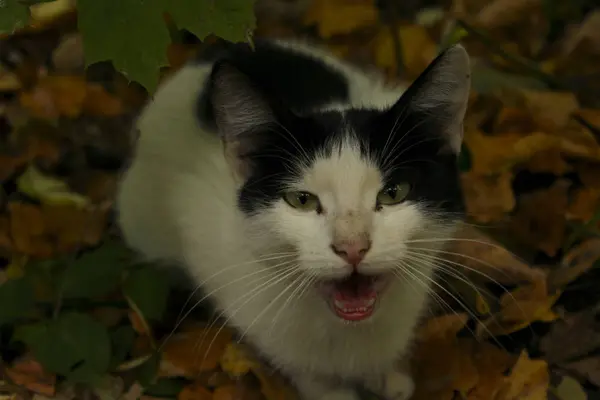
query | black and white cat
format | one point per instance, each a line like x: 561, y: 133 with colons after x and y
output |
x: 309, y: 201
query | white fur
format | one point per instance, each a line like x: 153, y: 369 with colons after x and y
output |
x: 177, y: 202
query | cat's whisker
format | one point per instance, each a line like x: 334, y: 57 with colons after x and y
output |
x: 208, y: 295
x: 460, y: 302
x: 276, y: 278
x: 290, y: 285
x: 269, y: 257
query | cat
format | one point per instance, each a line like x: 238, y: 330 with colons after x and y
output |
x: 308, y: 199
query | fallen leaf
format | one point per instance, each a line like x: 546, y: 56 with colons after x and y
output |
x: 529, y: 379
x: 338, y: 17
x: 195, y: 392
x: 194, y: 350
x: 500, y: 13
x: 584, y: 204
x: 570, y: 389
x: 418, y: 49
x: 488, y: 198
x: 520, y: 308
x: 580, y: 330
x: 540, y: 218
x: 29, y: 373
x: 55, y: 96
x: 483, y: 257
x: 575, y: 263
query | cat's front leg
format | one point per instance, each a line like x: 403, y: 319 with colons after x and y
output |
x: 395, y: 385
x: 311, y: 388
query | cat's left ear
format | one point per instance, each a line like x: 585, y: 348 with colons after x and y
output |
x: 439, y: 96
x: 241, y: 113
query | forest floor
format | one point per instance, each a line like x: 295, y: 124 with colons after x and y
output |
x: 519, y: 313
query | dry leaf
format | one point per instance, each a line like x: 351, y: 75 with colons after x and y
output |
x: 575, y: 263
x: 500, y: 13
x: 519, y: 308
x: 528, y: 379
x: 338, y: 17
x: 482, y: 256
x: 195, y: 392
x: 488, y: 198
x: 540, y: 218
x: 418, y: 49
x: 55, y: 96
x: 193, y: 350
x: 28, y: 373
x: 580, y: 330
x: 584, y: 204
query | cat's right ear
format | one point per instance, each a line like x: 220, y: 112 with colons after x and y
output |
x: 241, y: 113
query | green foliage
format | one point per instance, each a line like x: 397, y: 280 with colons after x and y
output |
x: 13, y: 14
x: 16, y: 300
x: 74, y: 345
x: 148, y: 289
x: 134, y: 36
x: 95, y: 273
x: 122, y: 340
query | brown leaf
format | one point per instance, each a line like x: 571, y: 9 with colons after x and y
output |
x: 55, y: 96
x: 338, y: 17
x: 418, y: 49
x: 195, y: 392
x: 580, y: 330
x: 482, y: 256
x: 488, y: 198
x: 519, y: 308
x: 529, y: 379
x: 540, y: 218
x: 28, y: 373
x: 575, y: 263
x: 548, y: 161
x: 500, y: 13
x: 194, y: 350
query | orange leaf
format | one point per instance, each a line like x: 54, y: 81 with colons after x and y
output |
x: 194, y: 350
x: 195, y: 392
x: 529, y: 379
x: 488, y: 198
x: 55, y: 96
x: 99, y: 102
x: 30, y: 374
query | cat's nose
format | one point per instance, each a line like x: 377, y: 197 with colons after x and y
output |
x: 352, y: 251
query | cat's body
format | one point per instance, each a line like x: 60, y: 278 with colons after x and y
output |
x: 270, y: 186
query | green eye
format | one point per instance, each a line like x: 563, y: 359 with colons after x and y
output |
x: 393, y: 194
x: 303, y: 201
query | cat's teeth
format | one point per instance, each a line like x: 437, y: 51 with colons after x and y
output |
x: 342, y: 306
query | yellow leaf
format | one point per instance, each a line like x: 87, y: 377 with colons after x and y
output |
x: 528, y: 379
x: 338, y: 17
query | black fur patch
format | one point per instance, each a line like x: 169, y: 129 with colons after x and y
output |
x: 293, y: 81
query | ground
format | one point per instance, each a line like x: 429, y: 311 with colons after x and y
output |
x: 517, y: 317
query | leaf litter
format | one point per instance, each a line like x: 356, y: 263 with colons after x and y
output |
x: 524, y: 278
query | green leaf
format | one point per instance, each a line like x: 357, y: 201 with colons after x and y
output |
x: 95, y: 273
x: 148, y: 288
x: 132, y: 33
x: 74, y: 345
x: 145, y: 374
x: 166, y: 388
x: 16, y: 299
x: 228, y: 19
x: 122, y: 340
x: 13, y: 15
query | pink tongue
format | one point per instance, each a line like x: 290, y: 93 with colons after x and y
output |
x: 354, y: 298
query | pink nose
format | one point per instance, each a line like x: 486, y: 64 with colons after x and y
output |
x: 352, y: 251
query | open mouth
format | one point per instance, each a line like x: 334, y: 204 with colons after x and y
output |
x: 355, y: 297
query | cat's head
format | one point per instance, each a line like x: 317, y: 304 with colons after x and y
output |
x: 360, y: 196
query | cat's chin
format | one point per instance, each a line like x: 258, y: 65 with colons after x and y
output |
x: 354, y: 298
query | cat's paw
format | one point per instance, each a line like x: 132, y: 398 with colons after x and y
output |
x: 398, y: 386
x: 394, y: 385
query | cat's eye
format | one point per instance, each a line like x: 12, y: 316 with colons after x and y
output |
x: 393, y: 194
x: 304, y: 201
